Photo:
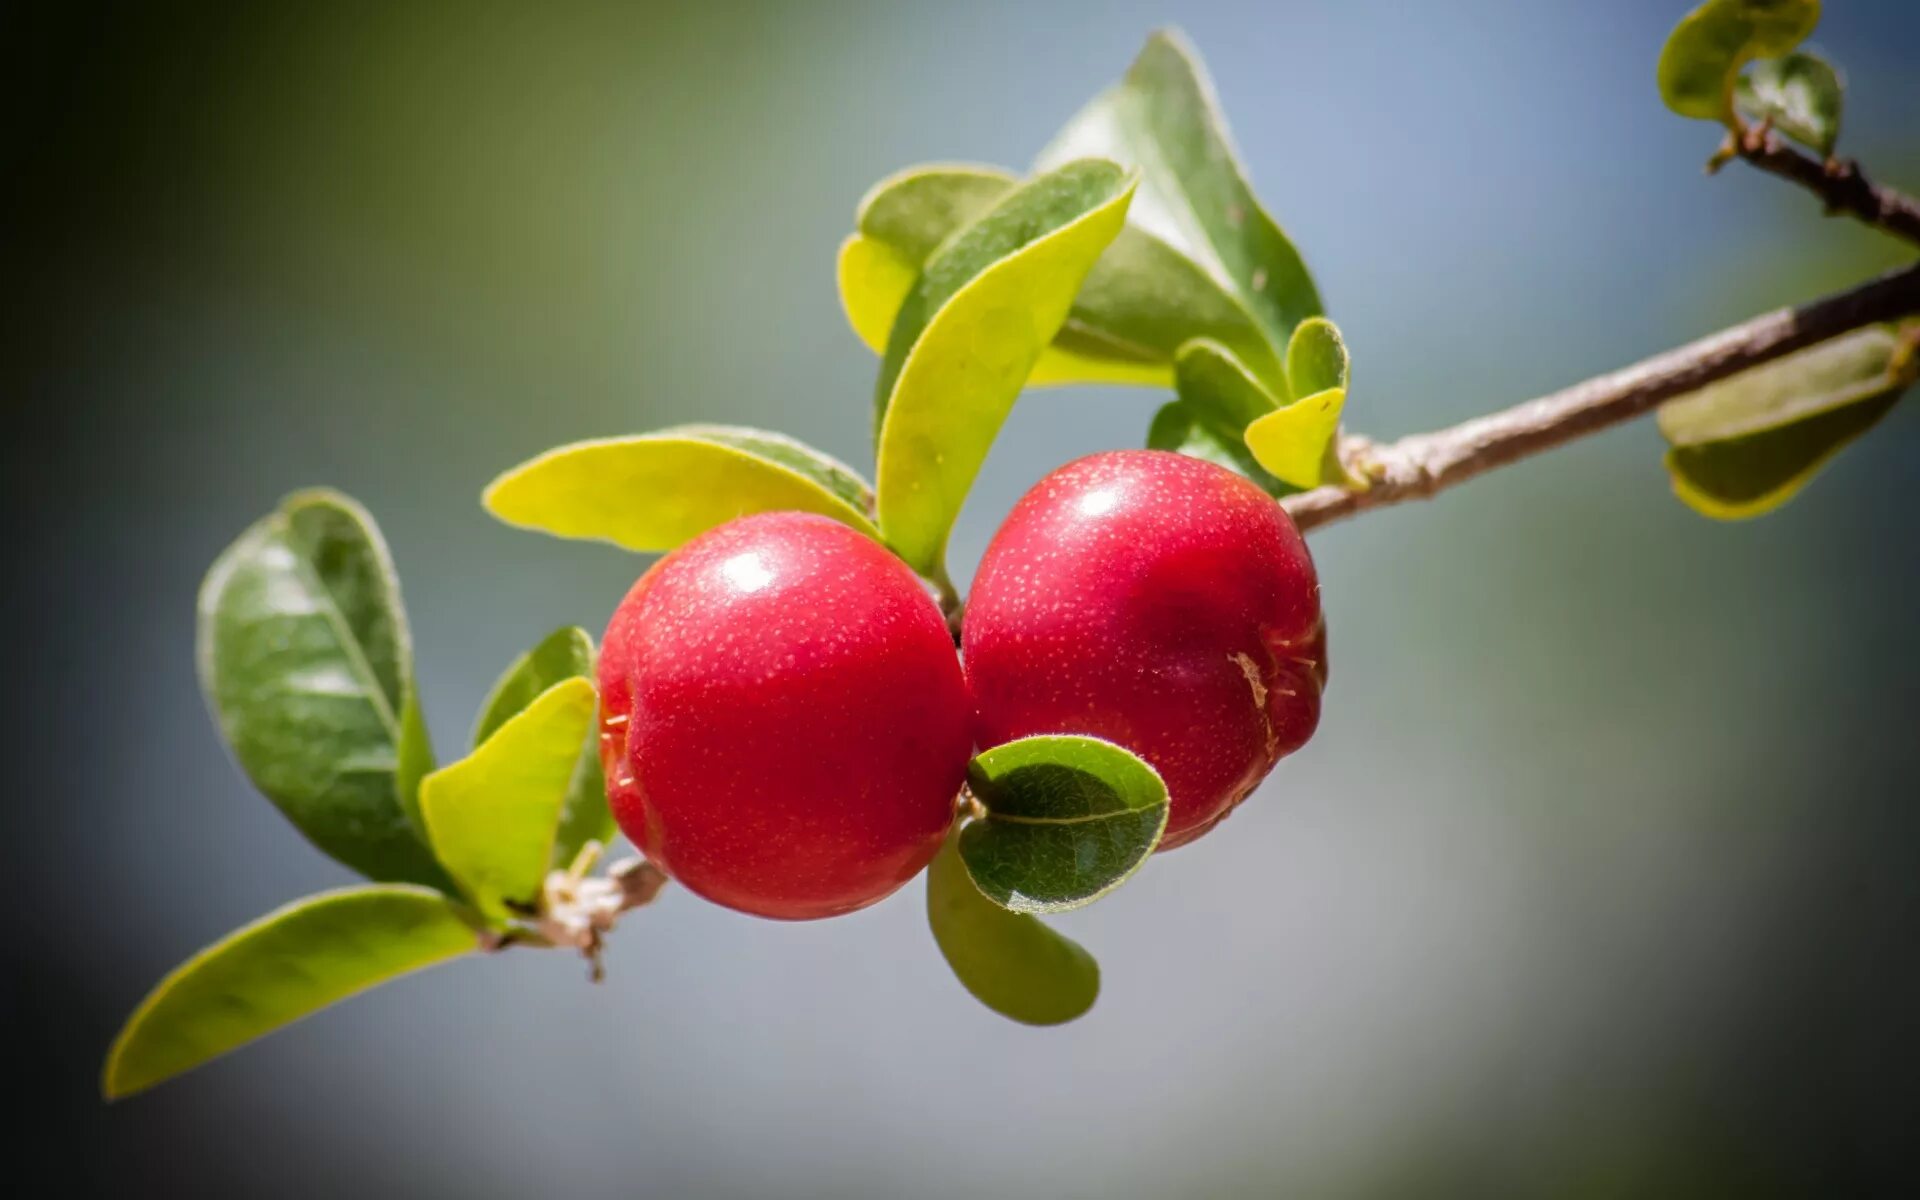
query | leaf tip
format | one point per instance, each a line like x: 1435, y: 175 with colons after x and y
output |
x: 491, y: 496
x: 113, y: 1085
x: 1173, y: 39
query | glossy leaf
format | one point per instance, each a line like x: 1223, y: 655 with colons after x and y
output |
x: 494, y: 815
x: 654, y: 491
x: 291, y: 962
x: 1745, y: 446
x: 564, y: 654
x: 1139, y: 303
x: 967, y: 338
x: 1219, y: 397
x: 1800, y: 93
x: 1069, y: 818
x: 1299, y: 442
x: 1011, y: 962
x: 1706, y: 51
x: 306, y: 662
x: 1163, y: 119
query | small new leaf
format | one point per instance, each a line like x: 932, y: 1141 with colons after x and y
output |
x: 1069, y: 818
x: 1299, y: 442
x: 1219, y: 398
x: 1707, y: 49
x: 289, y: 963
x: 494, y: 815
x: 306, y: 662
x: 656, y: 490
x: 1746, y: 445
x: 1800, y: 93
x: 1317, y: 358
x: 566, y: 653
x: 967, y: 337
x: 1163, y: 118
x: 1010, y: 962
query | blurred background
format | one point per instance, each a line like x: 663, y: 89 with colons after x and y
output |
x: 1601, y: 878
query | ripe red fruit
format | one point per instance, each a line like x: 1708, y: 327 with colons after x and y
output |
x: 1160, y: 602
x: 784, y: 724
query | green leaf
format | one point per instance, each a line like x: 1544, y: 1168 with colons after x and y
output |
x: 1139, y: 303
x: 1746, y: 445
x: 1317, y: 358
x: 1705, y: 52
x: 307, y: 664
x: 294, y: 961
x: 1163, y: 119
x: 564, y: 654
x: 1069, y: 818
x: 656, y: 490
x: 1751, y: 476
x: 1299, y: 442
x: 1178, y: 427
x: 915, y: 210
x: 1800, y: 93
x: 967, y: 338
x: 1011, y: 962
x: 1219, y: 397
x: 494, y: 815
x: 413, y: 761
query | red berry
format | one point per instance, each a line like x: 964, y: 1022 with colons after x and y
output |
x: 1160, y: 602
x: 784, y: 724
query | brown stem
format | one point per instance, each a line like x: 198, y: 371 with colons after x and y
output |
x: 1416, y: 467
x: 1840, y: 184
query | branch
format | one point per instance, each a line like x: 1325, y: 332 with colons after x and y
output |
x: 1840, y: 184
x: 1416, y: 467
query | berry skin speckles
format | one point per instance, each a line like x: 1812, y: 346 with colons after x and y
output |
x: 1161, y: 602
x: 784, y: 723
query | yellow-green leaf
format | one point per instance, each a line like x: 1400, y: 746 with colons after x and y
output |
x: 291, y: 962
x: 874, y: 281
x: 493, y: 815
x: 967, y: 338
x: 1706, y: 50
x: 1299, y: 442
x: 1139, y: 303
x: 1011, y: 962
x: 566, y: 653
x: 1163, y: 118
x: 1746, y: 445
x: 654, y: 491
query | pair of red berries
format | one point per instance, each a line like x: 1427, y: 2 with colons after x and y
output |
x: 785, y: 725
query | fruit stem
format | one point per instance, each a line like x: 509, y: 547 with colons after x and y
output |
x: 951, y: 604
x: 579, y: 911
